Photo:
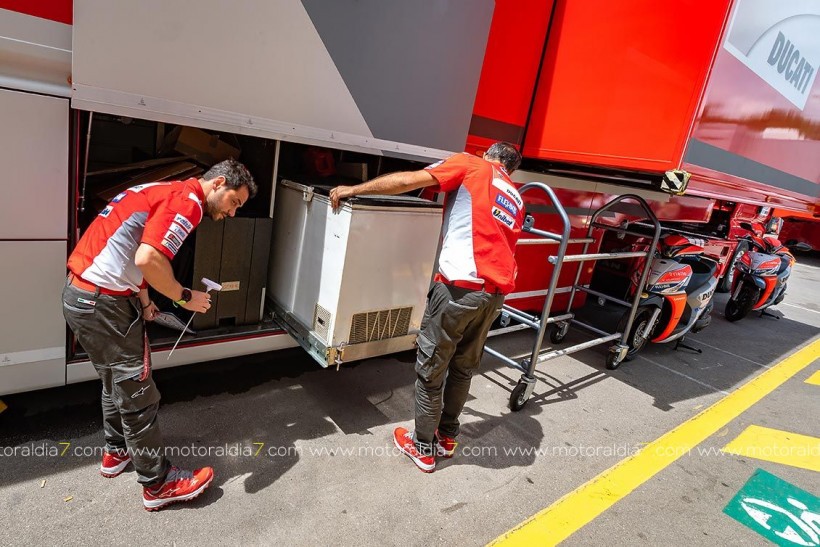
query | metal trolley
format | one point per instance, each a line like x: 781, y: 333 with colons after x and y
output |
x: 617, y: 352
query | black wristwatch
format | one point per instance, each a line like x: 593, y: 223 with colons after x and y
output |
x: 186, y: 297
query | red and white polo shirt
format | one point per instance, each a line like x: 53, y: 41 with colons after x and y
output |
x: 161, y: 214
x: 483, y: 215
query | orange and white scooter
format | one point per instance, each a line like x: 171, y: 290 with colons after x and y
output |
x: 761, y: 274
x: 677, y: 299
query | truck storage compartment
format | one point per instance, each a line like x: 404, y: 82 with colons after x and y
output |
x: 124, y: 152
x: 356, y: 279
x: 351, y: 283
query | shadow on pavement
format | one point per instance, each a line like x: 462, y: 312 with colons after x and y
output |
x: 277, y: 402
x: 732, y: 353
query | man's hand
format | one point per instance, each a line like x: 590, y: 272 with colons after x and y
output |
x: 338, y: 194
x: 149, y: 312
x: 200, y: 302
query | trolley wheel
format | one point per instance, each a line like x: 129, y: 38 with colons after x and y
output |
x: 518, y: 398
x: 612, y: 361
x: 558, y: 333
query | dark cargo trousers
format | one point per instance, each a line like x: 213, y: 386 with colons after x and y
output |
x: 111, y: 331
x: 450, y: 345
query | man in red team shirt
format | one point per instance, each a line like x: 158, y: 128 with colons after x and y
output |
x: 129, y: 246
x: 483, y: 215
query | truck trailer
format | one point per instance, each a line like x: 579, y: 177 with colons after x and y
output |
x: 709, y: 112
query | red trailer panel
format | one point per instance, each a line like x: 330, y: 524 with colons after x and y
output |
x: 508, y: 75
x: 621, y: 81
x: 56, y: 10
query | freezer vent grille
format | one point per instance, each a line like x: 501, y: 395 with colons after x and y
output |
x: 379, y: 325
x: 321, y: 322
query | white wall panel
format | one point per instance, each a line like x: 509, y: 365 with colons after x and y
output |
x: 32, y: 329
x: 34, y: 159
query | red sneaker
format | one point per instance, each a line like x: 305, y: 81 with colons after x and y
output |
x: 114, y: 463
x: 445, y: 446
x: 179, y: 485
x: 403, y: 439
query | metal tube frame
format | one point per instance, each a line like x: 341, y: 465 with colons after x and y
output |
x: 527, y: 366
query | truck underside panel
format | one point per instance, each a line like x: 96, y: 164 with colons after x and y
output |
x: 351, y: 75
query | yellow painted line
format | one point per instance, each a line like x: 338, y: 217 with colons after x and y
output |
x: 773, y: 445
x: 2, y: 405
x: 579, y: 507
x: 814, y: 379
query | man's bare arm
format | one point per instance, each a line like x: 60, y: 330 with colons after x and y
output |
x: 390, y: 184
x: 156, y: 269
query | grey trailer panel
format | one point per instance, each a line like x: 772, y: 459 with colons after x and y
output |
x: 263, y: 68
x: 412, y: 67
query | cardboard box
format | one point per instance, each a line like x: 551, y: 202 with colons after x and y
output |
x: 350, y: 170
x: 203, y: 147
x: 234, y: 253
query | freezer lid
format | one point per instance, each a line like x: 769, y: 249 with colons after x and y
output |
x: 384, y: 76
x: 363, y: 201
x: 382, y: 200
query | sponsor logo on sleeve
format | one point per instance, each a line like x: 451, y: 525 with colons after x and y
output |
x: 118, y: 197
x: 509, y: 191
x: 434, y: 165
x: 170, y: 246
x: 184, y: 222
x: 506, y: 204
x: 503, y: 217
x: 107, y: 211
x: 178, y: 231
x: 173, y: 239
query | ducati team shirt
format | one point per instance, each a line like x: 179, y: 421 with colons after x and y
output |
x: 161, y: 214
x: 483, y: 215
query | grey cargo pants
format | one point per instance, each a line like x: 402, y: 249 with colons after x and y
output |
x: 450, y: 345
x: 111, y: 331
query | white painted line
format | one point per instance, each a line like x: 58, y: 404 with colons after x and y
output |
x: 798, y: 307
x: 702, y: 343
x: 704, y: 384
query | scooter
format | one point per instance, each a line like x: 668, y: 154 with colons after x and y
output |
x: 677, y: 299
x: 760, y: 276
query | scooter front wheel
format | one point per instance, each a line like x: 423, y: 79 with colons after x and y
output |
x: 636, y: 340
x: 725, y: 283
x: 738, y: 308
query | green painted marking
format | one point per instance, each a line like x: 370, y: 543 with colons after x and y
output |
x: 777, y: 510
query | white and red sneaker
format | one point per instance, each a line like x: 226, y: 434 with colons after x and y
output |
x: 403, y: 440
x: 445, y: 446
x: 179, y: 485
x: 114, y: 463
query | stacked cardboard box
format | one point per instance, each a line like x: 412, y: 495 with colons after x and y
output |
x: 233, y: 252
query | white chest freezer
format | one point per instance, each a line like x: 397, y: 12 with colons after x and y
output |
x: 352, y: 283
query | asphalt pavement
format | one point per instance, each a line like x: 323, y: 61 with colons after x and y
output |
x: 304, y: 456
